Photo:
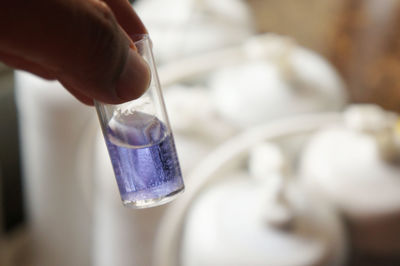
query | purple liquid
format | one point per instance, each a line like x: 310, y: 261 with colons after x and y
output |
x: 144, y: 158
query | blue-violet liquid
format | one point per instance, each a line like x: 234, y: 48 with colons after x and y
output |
x: 144, y: 158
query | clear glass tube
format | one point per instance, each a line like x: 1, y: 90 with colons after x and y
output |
x: 141, y: 145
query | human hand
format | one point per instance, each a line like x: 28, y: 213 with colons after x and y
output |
x: 84, y: 44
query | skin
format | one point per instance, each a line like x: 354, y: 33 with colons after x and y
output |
x: 84, y: 44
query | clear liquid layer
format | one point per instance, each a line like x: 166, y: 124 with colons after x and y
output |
x: 144, y: 159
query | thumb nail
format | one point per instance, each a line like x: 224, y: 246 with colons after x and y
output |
x: 135, y: 77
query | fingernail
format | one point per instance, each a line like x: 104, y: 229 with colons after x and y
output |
x: 135, y: 77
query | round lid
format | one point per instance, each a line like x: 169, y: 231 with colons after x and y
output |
x: 278, y: 79
x: 356, y: 164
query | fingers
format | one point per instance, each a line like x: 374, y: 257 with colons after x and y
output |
x: 78, y: 95
x: 23, y: 64
x: 80, y: 43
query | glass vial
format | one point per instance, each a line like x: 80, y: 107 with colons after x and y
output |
x: 140, y: 143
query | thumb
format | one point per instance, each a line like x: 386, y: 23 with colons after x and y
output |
x: 80, y: 43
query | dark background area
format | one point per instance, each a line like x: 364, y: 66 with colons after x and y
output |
x: 10, y: 171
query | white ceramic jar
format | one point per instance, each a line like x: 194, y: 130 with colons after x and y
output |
x: 51, y: 122
x: 261, y: 217
x: 355, y: 165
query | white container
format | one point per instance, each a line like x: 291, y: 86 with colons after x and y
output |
x: 51, y: 123
x: 261, y: 219
x: 355, y: 165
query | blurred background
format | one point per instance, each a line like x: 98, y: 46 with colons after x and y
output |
x: 285, y: 115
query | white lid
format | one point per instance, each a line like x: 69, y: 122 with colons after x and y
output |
x: 278, y: 78
x: 354, y: 164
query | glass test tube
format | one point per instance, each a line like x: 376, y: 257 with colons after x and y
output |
x: 141, y: 145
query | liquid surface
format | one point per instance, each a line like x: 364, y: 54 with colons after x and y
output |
x: 144, y: 158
